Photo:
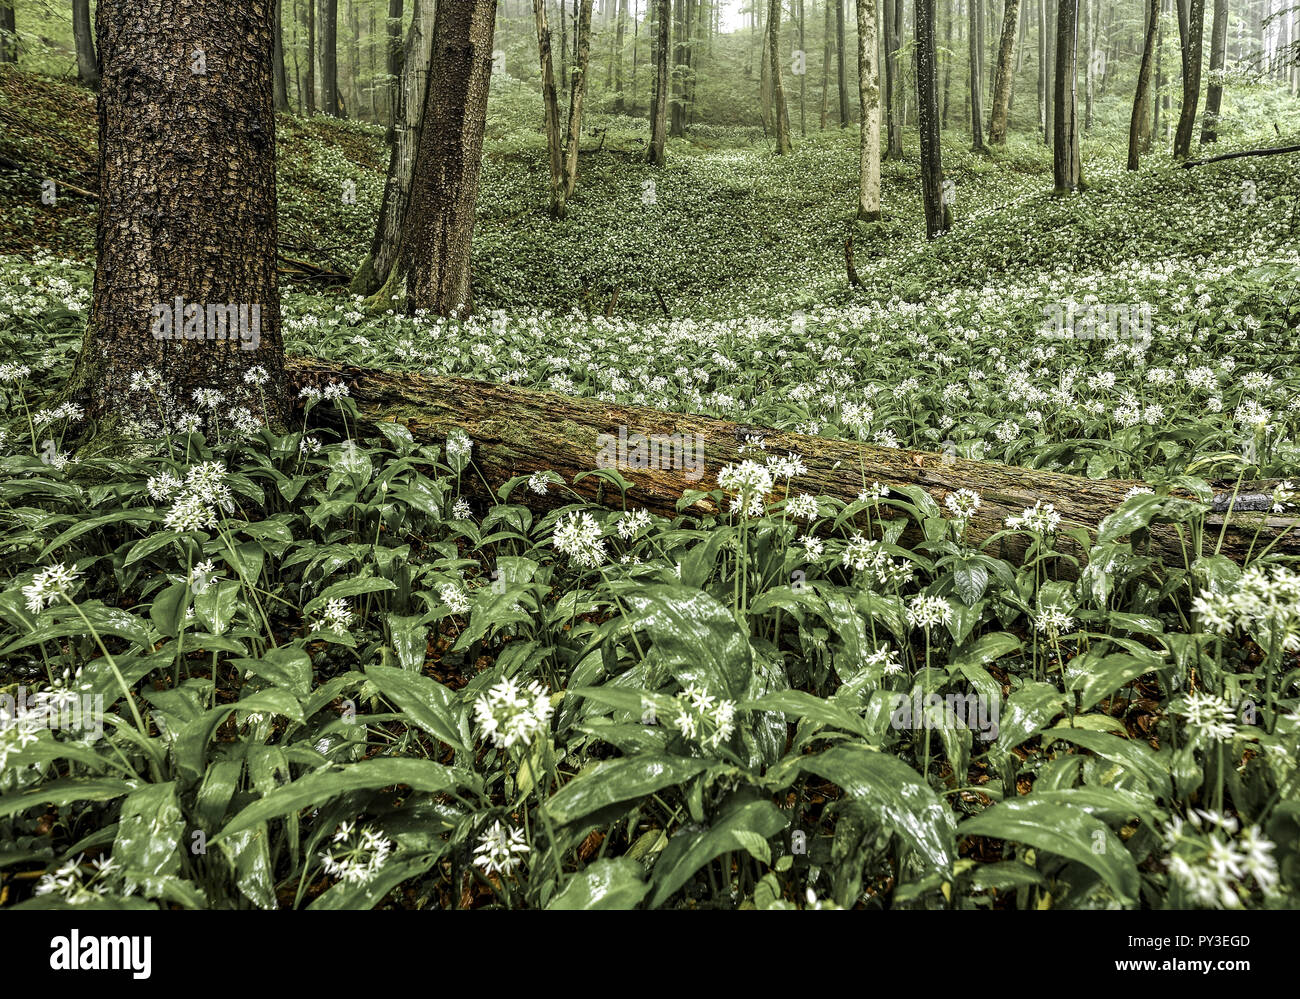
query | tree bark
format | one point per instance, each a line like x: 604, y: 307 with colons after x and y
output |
x: 826, y: 64
x: 841, y: 70
x: 1218, y: 56
x: 1002, y: 79
x: 312, y: 56
x: 83, y: 37
x: 976, y: 40
x: 1141, y: 114
x: 927, y: 114
x: 329, y: 60
x: 432, y: 270
x: 404, y: 140
x: 893, y: 22
x: 1065, y: 137
x: 869, y: 100
x: 619, y: 32
x: 551, y: 108
x: 577, y: 91
x: 280, y: 85
x: 185, y: 278
x: 781, y: 118
x: 394, y: 60
x: 1049, y: 46
x: 1191, y: 29
x: 517, y: 432
x: 8, y: 33
x: 655, y: 153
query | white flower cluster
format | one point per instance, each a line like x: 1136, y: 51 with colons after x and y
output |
x: 703, y: 718
x: 195, y: 501
x: 510, y: 715
x: 1214, y: 865
x: 1262, y: 601
x: 47, y: 586
x: 73, y: 886
x: 578, y: 536
x: 500, y: 850
x: 356, y: 855
x: 751, y: 482
x: 1041, y: 519
x: 868, y: 556
x: 925, y: 612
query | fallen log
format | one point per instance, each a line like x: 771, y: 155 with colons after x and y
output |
x: 518, y: 431
x: 1268, y: 151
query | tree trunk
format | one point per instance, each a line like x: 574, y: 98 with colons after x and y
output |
x: 619, y: 33
x: 781, y: 118
x: 1002, y: 80
x: 404, y: 139
x: 280, y: 85
x: 677, y: 106
x: 551, y: 108
x: 329, y: 57
x: 893, y: 22
x: 516, y: 431
x: 1141, y: 113
x: 826, y: 64
x: 655, y: 153
x: 1088, y: 60
x: 8, y: 33
x: 1049, y: 45
x: 765, y: 77
x: 927, y: 115
x: 1218, y: 55
x: 312, y: 56
x: 840, y: 69
x: 185, y: 278
x: 803, y: 77
x: 1065, y: 137
x: 1191, y: 29
x: 976, y: 82
x: 432, y: 270
x: 394, y: 61
x: 869, y: 100
x: 577, y: 91
x: 947, y: 63
x: 83, y: 36
x: 1160, y: 97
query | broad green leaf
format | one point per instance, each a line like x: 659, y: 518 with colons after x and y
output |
x: 616, y: 883
x: 611, y: 781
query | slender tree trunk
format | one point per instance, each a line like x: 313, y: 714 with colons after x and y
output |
x: 947, y: 61
x: 9, y: 33
x: 577, y: 91
x: 551, y: 107
x: 432, y: 270
x: 803, y: 77
x: 280, y: 84
x: 1044, y: 89
x: 764, y: 75
x: 83, y: 36
x: 1141, y: 114
x: 1088, y: 60
x: 312, y: 56
x: 354, y: 61
x: 869, y: 99
x: 655, y: 153
x: 677, y: 107
x: 619, y: 33
x: 1002, y: 79
x: 826, y: 65
x: 1191, y: 29
x: 1218, y: 54
x: 1065, y: 137
x: 185, y: 277
x: 840, y: 68
x: 976, y: 80
x: 781, y: 120
x: 927, y: 114
x: 394, y: 59
x: 404, y: 139
x: 1049, y: 43
x: 329, y: 64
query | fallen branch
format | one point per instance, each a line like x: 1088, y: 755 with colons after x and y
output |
x: 1270, y: 151
x: 518, y: 432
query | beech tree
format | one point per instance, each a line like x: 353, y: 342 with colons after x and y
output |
x: 927, y: 115
x: 185, y: 294
x: 551, y: 111
x: 659, y: 89
x: 976, y: 39
x: 840, y: 70
x: 329, y: 57
x: 1066, y: 170
x: 404, y: 139
x: 1191, y: 29
x: 8, y: 32
x: 432, y: 268
x: 892, y: 19
x: 1003, y: 73
x: 577, y: 90
x: 1140, y: 123
x: 83, y: 38
x: 1218, y: 57
x: 869, y: 100
x: 782, y: 119
x: 280, y: 86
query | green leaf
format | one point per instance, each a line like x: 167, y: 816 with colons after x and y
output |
x: 424, y: 701
x: 611, y: 781
x: 349, y: 588
x: 1027, y: 713
x: 616, y: 883
x: 696, y: 636
x: 149, y: 834
x: 1064, y: 830
x: 64, y: 792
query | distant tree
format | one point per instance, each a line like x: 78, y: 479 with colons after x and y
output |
x: 551, y: 110
x: 432, y: 269
x: 619, y: 32
x: 1049, y: 64
x: 329, y: 59
x: 577, y: 90
x: 8, y: 32
x: 976, y: 39
x: 782, y: 118
x: 1066, y: 170
x: 1191, y: 32
x: 1140, y: 121
x: 869, y: 99
x: 841, y: 70
x: 83, y: 37
x: 310, y: 85
x: 893, y: 24
x: 280, y: 85
x: 1004, y: 73
x: 659, y: 92
x: 927, y: 119
x: 186, y: 294
x: 404, y: 140
x: 826, y: 64
x: 1218, y: 57
x: 394, y: 53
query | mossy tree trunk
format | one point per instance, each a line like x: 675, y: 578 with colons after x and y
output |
x: 1139, y: 129
x: 551, y: 106
x: 577, y: 92
x: 1066, y: 172
x: 781, y: 118
x: 869, y: 99
x: 1191, y: 30
x: 329, y: 57
x: 1003, y: 74
x: 1218, y: 56
x: 655, y: 153
x: 187, y: 212
x: 927, y: 118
